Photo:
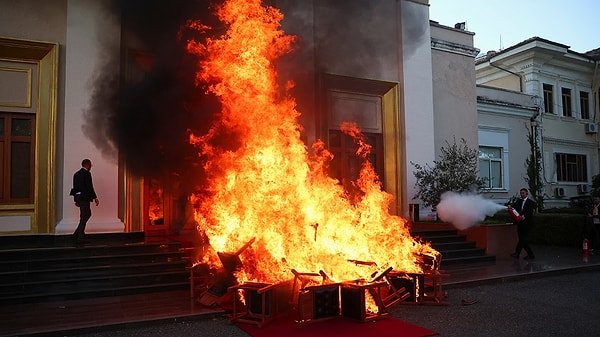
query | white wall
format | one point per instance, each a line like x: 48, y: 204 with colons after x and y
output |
x: 82, y: 55
x: 417, y: 97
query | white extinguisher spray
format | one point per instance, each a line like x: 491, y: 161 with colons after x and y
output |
x: 586, y: 246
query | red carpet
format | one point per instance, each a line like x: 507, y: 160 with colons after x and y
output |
x: 389, y: 327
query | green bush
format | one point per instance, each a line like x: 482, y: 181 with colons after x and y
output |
x: 567, y: 228
x: 456, y: 170
x: 500, y: 217
x: 565, y: 210
x: 560, y: 229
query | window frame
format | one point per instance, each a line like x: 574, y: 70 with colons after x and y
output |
x: 7, y: 139
x: 548, y: 90
x: 584, y: 104
x: 566, y: 99
x: 346, y: 165
x: 490, y: 171
x: 571, y: 167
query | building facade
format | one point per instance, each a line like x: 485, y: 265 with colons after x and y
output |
x: 383, y: 65
x: 554, y: 94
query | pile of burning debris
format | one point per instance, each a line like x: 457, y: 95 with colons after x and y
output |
x: 321, y: 239
x: 314, y: 296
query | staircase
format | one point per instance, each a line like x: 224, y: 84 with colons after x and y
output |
x: 454, y: 247
x: 39, y: 268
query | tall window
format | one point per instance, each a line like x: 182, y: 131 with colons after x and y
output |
x: 346, y: 165
x: 566, y: 102
x: 548, y: 102
x: 571, y: 167
x: 490, y: 166
x: 16, y: 157
x: 584, y: 102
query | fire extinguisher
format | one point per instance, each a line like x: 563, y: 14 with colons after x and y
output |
x: 586, y: 246
x: 513, y: 212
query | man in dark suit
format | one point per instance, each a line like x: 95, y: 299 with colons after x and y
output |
x: 593, y: 214
x: 83, y: 193
x: 525, y: 207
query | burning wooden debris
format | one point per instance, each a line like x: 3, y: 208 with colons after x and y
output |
x: 262, y: 302
x: 314, y: 296
x: 272, y: 187
x: 216, y: 283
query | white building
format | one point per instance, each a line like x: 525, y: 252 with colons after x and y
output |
x: 408, y: 81
x: 563, y: 85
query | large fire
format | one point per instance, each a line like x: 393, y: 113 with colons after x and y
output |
x: 272, y: 190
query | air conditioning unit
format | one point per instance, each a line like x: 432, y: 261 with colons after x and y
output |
x: 591, y: 128
x: 583, y: 188
x: 559, y: 192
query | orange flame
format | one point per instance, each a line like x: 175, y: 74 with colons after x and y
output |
x: 270, y: 188
x: 155, y: 210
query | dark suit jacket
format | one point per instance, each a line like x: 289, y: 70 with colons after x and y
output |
x: 526, y: 210
x: 82, y: 182
x: 590, y: 211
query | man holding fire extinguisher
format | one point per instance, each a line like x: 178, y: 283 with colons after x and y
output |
x: 522, y: 211
x: 593, y: 214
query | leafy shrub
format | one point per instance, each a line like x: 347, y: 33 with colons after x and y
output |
x: 564, y: 210
x: 555, y: 226
x: 500, y: 217
x: 457, y: 170
x: 560, y: 229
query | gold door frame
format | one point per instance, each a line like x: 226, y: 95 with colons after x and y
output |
x: 45, y: 56
x: 391, y: 127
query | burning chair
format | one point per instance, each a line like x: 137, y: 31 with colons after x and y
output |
x: 253, y: 302
x: 411, y: 283
x: 315, y: 297
x: 426, y: 288
x: 369, y: 300
x: 433, y: 292
x: 263, y: 302
x: 215, y: 288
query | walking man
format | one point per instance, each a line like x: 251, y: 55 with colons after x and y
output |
x: 83, y: 193
x: 525, y: 207
x: 593, y: 214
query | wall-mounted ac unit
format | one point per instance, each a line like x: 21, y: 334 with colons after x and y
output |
x: 559, y: 192
x: 583, y: 188
x: 591, y: 128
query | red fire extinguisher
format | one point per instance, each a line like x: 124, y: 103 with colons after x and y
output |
x: 586, y: 246
x: 513, y: 212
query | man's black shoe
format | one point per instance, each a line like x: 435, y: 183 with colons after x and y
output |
x: 80, y: 239
x: 514, y: 255
x: 529, y: 257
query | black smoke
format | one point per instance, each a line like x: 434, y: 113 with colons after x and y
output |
x: 145, y: 100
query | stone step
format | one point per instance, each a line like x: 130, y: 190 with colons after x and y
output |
x: 454, y: 247
x: 468, y: 260
x: 62, y: 274
x: 42, y: 268
x: 49, y: 263
x: 74, y: 288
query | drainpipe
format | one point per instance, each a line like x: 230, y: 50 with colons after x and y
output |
x: 510, y: 72
x: 537, y: 112
x: 534, y: 128
x: 596, y: 100
x: 595, y: 91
